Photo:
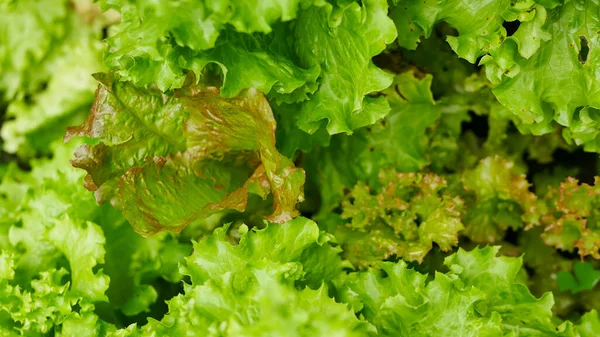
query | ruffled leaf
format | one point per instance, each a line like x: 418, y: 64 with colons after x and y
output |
x: 193, y: 149
x: 480, y: 295
x: 571, y: 218
x: 497, y: 199
x: 404, y: 218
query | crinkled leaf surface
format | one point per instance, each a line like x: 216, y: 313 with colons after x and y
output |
x: 403, y: 219
x: 479, y: 23
x: 398, y: 141
x: 311, y: 54
x: 346, y: 47
x: 545, y: 72
x: 168, y: 37
x: 559, y: 83
x: 502, y: 200
x: 62, y: 255
x: 571, y: 218
x: 193, y: 149
x: 479, y: 295
x: 252, y: 289
x: 48, y: 49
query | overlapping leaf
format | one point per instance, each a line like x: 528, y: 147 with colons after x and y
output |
x: 480, y: 295
x: 571, y: 218
x: 47, y: 51
x: 62, y: 255
x: 172, y: 37
x: 497, y: 199
x: 398, y: 142
x: 542, y: 94
x: 251, y: 289
x: 312, y: 53
x: 169, y: 160
x: 545, y: 72
x: 479, y: 23
x: 424, y: 151
x: 403, y: 219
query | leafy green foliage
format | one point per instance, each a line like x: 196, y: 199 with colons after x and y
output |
x: 590, y: 324
x: 571, y: 220
x: 299, y: 168
x: 502, y: 200
x: 544, y: 73
x: 251, y: 48
x: 55, y: 256
x: 250, y: 289
x: 47, y: 52
x: 404, y: 219
x: 480, y: 294
x: 584, y: 277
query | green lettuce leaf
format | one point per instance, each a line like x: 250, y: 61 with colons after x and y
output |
x: 134, y: 263
x: 497, y: 199
x: 546, y: 263
x: 480, y: 295
x: 344, y: 51
x: 590, y: 324
x: 28, y: 37
x: 554, y: 40
x: 312, y: 55
x: 254, y: 288
x: 172, y: 37
x: 50, y: 250
x: 550, y: 270
x: 564, y: 37
x: 402, y: 142
x: 33, y: 312
x: 63, y: 256
x: 478, y: 23
x: 47, y: 51
x: 398, y: 142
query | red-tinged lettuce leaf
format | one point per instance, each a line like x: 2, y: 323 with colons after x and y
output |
x: 167, y: 160
x: 147, y: 203
x: 497, y: 198
x: 404, y: 218
x: 572, y: 217
x: 132, y: 124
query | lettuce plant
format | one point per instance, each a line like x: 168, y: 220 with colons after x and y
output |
x: 299, y: 168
